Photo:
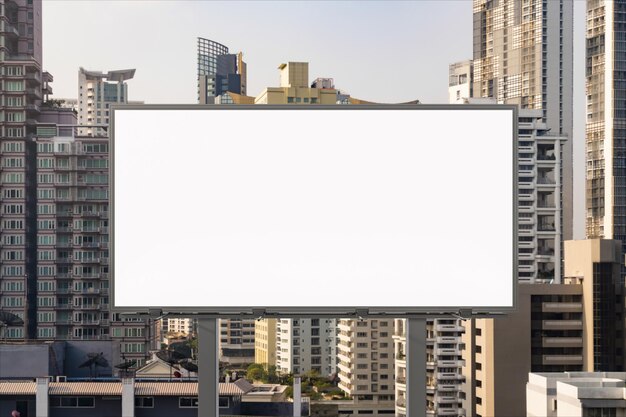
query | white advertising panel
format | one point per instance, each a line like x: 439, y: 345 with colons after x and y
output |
x: 311, y: 209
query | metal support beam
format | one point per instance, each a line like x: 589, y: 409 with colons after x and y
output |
x: 208, y: 368
x: 416, y: 367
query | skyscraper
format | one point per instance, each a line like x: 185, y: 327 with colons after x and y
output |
x: 523, y: 54
x: 219, y: 71
x: 22, y: 94
x: 96, y: 92
x: 605, y: 131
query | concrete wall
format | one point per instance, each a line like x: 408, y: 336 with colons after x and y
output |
x: 76, y: 353
x: 24, y: 361
x: 9, y: 404
x: 103, y: 408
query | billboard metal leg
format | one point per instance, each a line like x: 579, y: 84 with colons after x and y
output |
x: 208, y: 368
x: 416, y: 367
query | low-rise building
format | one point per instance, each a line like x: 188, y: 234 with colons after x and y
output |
x: 573, y: 394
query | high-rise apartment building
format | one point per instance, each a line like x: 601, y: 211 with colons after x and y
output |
x: 443, y: 367
x: 523, y: 54
x: 305, y: 345
x: 539, y: 198
x: 265, y: 342
x: 54, y: 203
x: 365, y: 361
x: 96, y: 92
x: 236, y: 341
x: 219, y: 72
x: 460, y: 81
x: 605, y: 131
x: 22, y: 96
x: 575, y: 326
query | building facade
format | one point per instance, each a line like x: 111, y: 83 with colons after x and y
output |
x: 544, y: 335
x: 236, y: 341
x: 460, y: 81
x: 265, y: 342
x: 605, y: 130
x: 295, y: 89
x: 588, y: 394
x: 596, y: 264
x: 365, y: 363
x: 96, y: 92
x: 523, y: 54
x: 443, y: 367
x: 306, y: 345
x: 557, y: 328
x: 219, y: 72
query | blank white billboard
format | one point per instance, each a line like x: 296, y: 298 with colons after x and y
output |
x: 296, y: 209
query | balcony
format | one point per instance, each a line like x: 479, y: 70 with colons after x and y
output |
x: 543, y: 181
x: 87, y: 260
x: 562, y: 324
x: 562, y: 359
x: 9, y: 30
x: 561, y: 307
x: 87, y: 276
x: 448, y: 411
x: 545, y: 251
x: 86, y: 291
x: 447, y: 351
x: 449, y: 328
x: 88, y: 307
x: 34, y: 76
x: 87, y: 322
x: 35, y: 92
x: 63, y: 261
x: 546, y: 205
x: 449, y: 375
x: 563, y: 342
x: 458, y: 362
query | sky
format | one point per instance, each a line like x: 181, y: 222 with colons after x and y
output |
x: 383, y: 51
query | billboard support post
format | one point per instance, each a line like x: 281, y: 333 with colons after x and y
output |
x: 208, y: 367
x: 416, y: 367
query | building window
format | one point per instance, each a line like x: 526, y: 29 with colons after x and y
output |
x: 72, y: 402
x: 223, y: 402
x: 188, y: 402
x: 144, y: 402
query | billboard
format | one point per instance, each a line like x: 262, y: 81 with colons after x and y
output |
x: 314, y: 210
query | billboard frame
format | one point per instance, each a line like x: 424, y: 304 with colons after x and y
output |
x: 312, y: 311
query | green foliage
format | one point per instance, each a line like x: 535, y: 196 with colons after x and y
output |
x: 256, y: 374
x: 54, y: 103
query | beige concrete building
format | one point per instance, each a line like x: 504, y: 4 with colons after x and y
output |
x: 596, y: 265
x: 365, y: 361
x: 265, y: 342
x: 571, y: 327
x: 576, y: 394
x: 545, y: 334
x: 294, y: 88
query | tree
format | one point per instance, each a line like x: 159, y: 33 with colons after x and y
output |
x: 256, y: 372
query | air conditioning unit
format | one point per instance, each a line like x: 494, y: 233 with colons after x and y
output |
x: 61, y: 378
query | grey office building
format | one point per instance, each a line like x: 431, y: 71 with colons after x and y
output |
x: 219, y: 71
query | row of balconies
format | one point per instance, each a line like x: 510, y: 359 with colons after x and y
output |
x: 81, y: 230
